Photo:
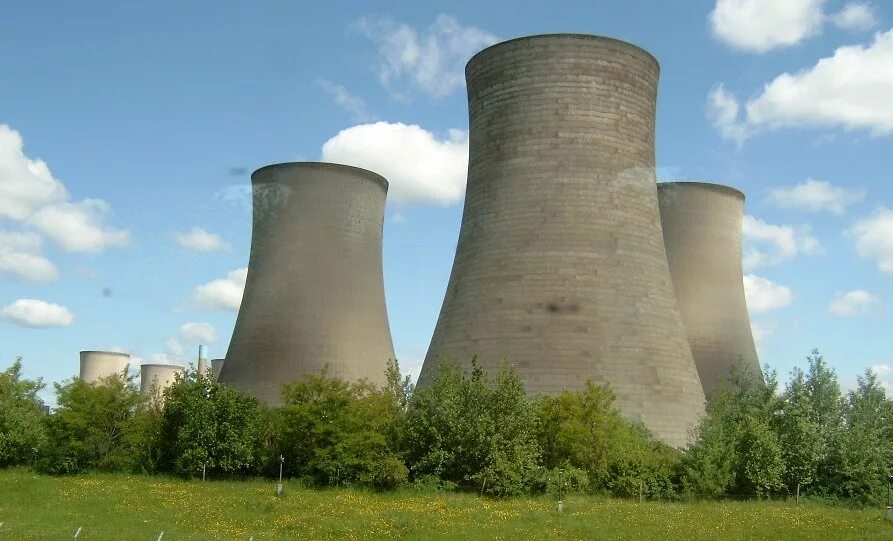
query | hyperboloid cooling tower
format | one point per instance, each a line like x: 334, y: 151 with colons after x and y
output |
x: 97, y: 365
x: 702, y: 233
x: 155, y: 378
x: 314, y: 296
x: 560, y: 266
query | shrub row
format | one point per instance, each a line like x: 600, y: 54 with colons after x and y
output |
x: 477, y: 431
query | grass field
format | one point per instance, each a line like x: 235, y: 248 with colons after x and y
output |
x: 117, y: 507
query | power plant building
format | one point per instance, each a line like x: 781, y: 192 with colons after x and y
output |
x: 702, y: 232
x: 98, y: 365
x: 314, y: 294
x: 155, y: 378
x: 560, y: 266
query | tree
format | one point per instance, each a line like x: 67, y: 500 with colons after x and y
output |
x: 22, y: 421
x: 334, y: 432
x: 801, y: 438
x: 862, y: 456
x: 205, y: 424
x: 475, y: 431
x: 736, y: 447
x: 92, y: 426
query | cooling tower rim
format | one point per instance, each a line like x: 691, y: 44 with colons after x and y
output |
x: 359, y: 171
x: 162, y: 365
x: 592, y: 37
x: 116, y: 353
x: 703, y: 185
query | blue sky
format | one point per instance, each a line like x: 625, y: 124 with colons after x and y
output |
x: 128, y: 134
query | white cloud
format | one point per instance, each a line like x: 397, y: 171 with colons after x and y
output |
x: 855, y: 16
x: 768, y: 244
x: 853, y: 303
x: 763, y: 295
x: 25, y: 184
x: 816, y: 195
x: 29, y: 194
x: 884, y: 372
x: 20, y: 258
x: 36, y: 313
x: 850, y: 89
x: 347, y: 101
x: 78, y: 227
x: 758, y: 26
x: 223, y: 293
x: 198, y: 333
x: 199, y: 240
x: 174, y: 347
x: 723, y: 112
x: 874, y: 238
x: 432, y: 60
x: 419, y: 166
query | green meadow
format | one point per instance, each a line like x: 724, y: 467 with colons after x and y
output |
x: 124, y: 507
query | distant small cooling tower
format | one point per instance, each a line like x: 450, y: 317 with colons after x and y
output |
x: 702, y: 233
x: 560, y: 265
x: 216, y: 365
x: 314, y: 295
x: 155, y: 378
x: 97, y: 365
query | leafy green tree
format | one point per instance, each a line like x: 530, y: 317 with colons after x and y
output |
x: 583, y: 430
x: 801, y: 438
x: 334, y: 432
x: 475, y: 431
x: 205, y: 424
x: 736, y: 448
x: 862, y: 456
x: 22, y: 420
x: 92, y: 427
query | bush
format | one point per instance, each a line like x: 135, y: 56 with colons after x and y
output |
x: 22, y: 422
x: 93, y: 427
x: 333, y: 432
x: 476, y: 432
x: 208, y: 425
x: 583, y: 430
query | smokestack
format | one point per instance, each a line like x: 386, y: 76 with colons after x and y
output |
x: 560, y: 265
x: 203, y: 360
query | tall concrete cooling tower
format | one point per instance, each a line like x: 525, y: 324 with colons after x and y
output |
x: 560, y: 265
x: 155, y: 378
x: 702, y: 233
x: 314, y: 295
x: 97, y: 365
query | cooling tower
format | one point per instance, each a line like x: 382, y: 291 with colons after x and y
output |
x: 314, y: 295
x: 97, y: 365
x: 560, y: 265
x: 155, y: 378
x: 216, y: 365
x: 702, y: 234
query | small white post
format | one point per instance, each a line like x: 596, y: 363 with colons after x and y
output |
x: 78, y: 532
x: 160, y: 535
x: 279, y: 487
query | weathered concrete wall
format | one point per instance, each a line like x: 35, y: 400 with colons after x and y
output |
x: 702, y: 233
x: 216, y: 365
x: 314, y: 295
x: 155, y: 378
x: 560, y: 265
x: 96, y: 365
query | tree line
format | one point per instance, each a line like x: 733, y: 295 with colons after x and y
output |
x: 474, y: 431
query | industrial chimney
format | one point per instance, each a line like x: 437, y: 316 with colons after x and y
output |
x: 560, y: 265
x: 314, y: 295
x: 702, y: 234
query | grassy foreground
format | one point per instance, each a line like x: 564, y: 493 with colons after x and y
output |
x: 118, y: 507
